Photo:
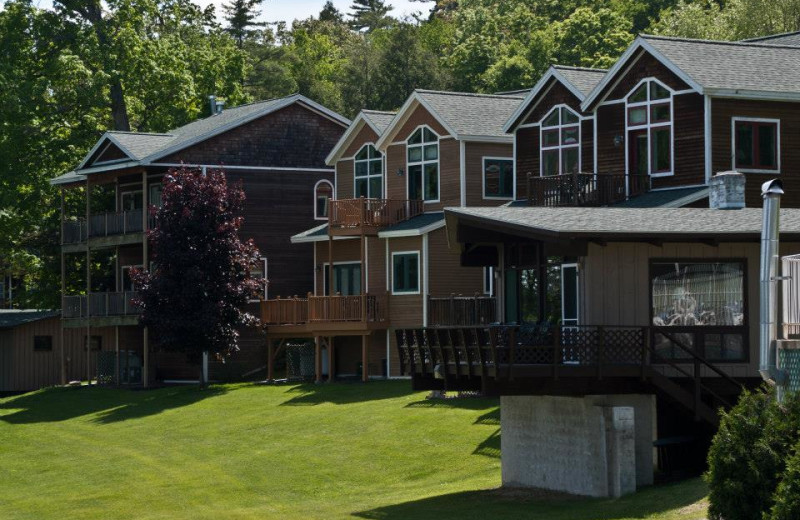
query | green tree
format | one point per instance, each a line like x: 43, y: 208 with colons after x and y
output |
x: 591, y: 38
x: 329, y: 13
x: 368, y: 15
x: 731, y: 20
x: 242, y: 16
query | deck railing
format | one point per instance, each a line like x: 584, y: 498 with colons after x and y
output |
x: 119, y: 223
x: 370, y: 214
x: 100, y: 305
x: 584, y: 189
x: 73, y: 231
x: 462, y: 310
x: 364, y: 308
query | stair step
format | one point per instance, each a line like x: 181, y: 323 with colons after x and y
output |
x: 684, y: 397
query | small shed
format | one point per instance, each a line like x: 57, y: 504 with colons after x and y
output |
x: 31, y: 349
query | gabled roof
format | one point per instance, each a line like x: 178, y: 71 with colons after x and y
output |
x: 415, y: 226
x: 466, y: 116
x: 578, y: 80
x: 145, y: 148
x: 740, y: 69
x: 788, y: 38
x: 376, y: 120
x: 10, y: 318
x: 671, y: 198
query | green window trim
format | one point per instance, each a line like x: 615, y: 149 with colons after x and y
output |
x: 498, y: 178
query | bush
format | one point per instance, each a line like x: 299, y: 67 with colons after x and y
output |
x: 748, y: 455
x: 787, y: 497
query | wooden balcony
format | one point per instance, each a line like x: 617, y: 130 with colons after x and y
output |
x: 325, y: 315
x: 368, y: 216
x: 103, y: 304
x: 567, y: 360
x: 584, y: 189
x: 73, y: 231
x: 118, y: 223
x: 462, y: 311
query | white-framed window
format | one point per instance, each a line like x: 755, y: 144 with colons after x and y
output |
x: 488, y: 280
x: 422, y: 154
x: 498, y: 178
x: 756, y: 144
x: 125, y: 278
x: 648, y: 124
x: 323, y: 192
x: 560, y: 142
x: 259, y: 271
x: 368, y: 173
x: 405, y: 272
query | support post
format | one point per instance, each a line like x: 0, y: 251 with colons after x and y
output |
x: 364, y: 358
x: 63, y: 294
x: 270, y: 361
x: 331, y: 360
x: 542, y: 282
x: 146, y: 358
x: 317, y: 359
x: 330, y: 265
x: 145, y: 265
x: 88, y: 289
x: 116, y: 360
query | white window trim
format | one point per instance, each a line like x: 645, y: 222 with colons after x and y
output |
x: 649, y: 126
x: 560, y: 147
x: 483, y: 178
x: 368, y: 177
x: 419, y: 272
x: 422, y: 164
x: 265, y: 280
x: 777, y: 122
x: 316, y: 187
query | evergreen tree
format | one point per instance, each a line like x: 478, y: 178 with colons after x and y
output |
x: 369, y: 14
x: 329, y: 13
x: 241, y: 16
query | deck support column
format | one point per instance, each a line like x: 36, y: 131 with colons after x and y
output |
x: 270, y: 361
x: 146, y: 358
x: 542, y: 275
x: 330, y: 266
x: 364, y: 358
x: 145, y: 265
x: 88, y: 288
x: 116, y: 361
x: 331, y: 360
x: 317, y: 359
x: 63, y: 294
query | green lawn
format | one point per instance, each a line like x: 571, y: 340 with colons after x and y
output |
x: 245, y: 451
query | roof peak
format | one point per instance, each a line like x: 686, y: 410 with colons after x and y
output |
x: 466, y: 94
x: 584, y: 69
x: 369, y: 111
x: 770, y: 36
x: 748, y: 44
x: 130, y: 132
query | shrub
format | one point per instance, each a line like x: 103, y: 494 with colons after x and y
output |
x: 787, y: 497
x: 748, y: 455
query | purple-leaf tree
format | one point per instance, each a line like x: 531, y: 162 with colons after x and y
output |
x: 194, y: 295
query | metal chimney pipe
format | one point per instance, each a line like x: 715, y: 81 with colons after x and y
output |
x: 212, y: 103
x: 771, y: 191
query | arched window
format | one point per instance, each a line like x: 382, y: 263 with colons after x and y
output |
x: 561, y: 142
x: 648, y: 110
x: 368, y: 168
x: 423, y: 165
x: 323, y: 192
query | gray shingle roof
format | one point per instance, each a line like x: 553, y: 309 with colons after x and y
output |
x: 67, y: 178
x: 481, y: 115
x: 310, y: 235
x: 665, y: 198
x: 581, y: 78
x: 733, y: 65
x: 380, y: 119
x: 790, y: 38
x: 417, y: 223
x: 631, y: 223
x: 10, y: 318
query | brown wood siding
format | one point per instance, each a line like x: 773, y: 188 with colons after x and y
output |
x: 419, y: 116
x: 396, y: 160
x: 446, y: 275
x: 344, y: 179
x: 646, y: 66
x: 23, y: 369
x: 615, y: 284
x: 365, y: 135
x: 449, y: 174
x: 689, y: 141
x: 293, y: 137
x: 346, y: 250
x: 557, y: 94
x: 610, y: 124
x: 587, y: 145
x: 527, y: 157
x: 406, y: 309
x: 376, y: 265
x: 722, y: 113
x: 112, y: 153
x: 474, y: 154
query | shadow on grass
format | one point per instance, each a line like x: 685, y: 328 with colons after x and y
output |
x: 110, y: 405
x: 346, y: 392
x: 518, y: 504
x: 490, y: 447
x: 464, y: 403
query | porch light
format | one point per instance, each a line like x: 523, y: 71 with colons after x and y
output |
x: 617, y: 140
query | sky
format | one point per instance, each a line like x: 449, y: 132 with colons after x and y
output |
x: 288, y: 10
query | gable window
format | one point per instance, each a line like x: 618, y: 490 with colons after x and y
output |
x: 648, y: 120
x: 43, y: 343
x: 701, y: 305
x: 756, y: 145
x: 368, y: 167
x: 560, y: 137
x: 405, y: 273
x: 323, y: 192
x: 422, y: 150
x: 498, y: 178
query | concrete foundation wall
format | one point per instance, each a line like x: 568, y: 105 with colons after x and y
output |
x: 596, y: 446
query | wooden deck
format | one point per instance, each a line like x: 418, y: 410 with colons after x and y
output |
x: 368, y: 216
x: 584, y: 189
x: 574, y: 360
x: 325, y: 315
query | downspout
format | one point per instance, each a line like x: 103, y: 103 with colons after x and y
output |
x: 771, y: 191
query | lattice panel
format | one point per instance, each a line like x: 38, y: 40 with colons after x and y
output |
x: 789, y: 360
x: 623, y: 346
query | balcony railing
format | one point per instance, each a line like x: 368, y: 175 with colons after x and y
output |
x: 100, y: 305
x: 461, y: 311
x: 584, y: 189
x: 73, y: 231
x: 369, y: 215
x: 316, y: 310
x: 119, y: 223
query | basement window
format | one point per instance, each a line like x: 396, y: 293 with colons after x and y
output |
x: 756, y: 145
x: 699, y: 306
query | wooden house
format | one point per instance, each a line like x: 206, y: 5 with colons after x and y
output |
x: 381, y: 259
x: 276, y: 148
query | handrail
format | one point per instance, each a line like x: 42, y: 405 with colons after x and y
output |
x: 462, y: 310
x: 116, y: 223
x: 100, y: 304
x: 371, y: 213
x: 695, y: 355
x: 584, y: 189
x: 366, y: 308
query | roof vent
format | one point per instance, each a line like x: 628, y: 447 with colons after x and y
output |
x: 726, y: 191
x: 215, y: 105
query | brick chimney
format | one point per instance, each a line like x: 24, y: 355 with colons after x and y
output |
x: 726, y: 191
